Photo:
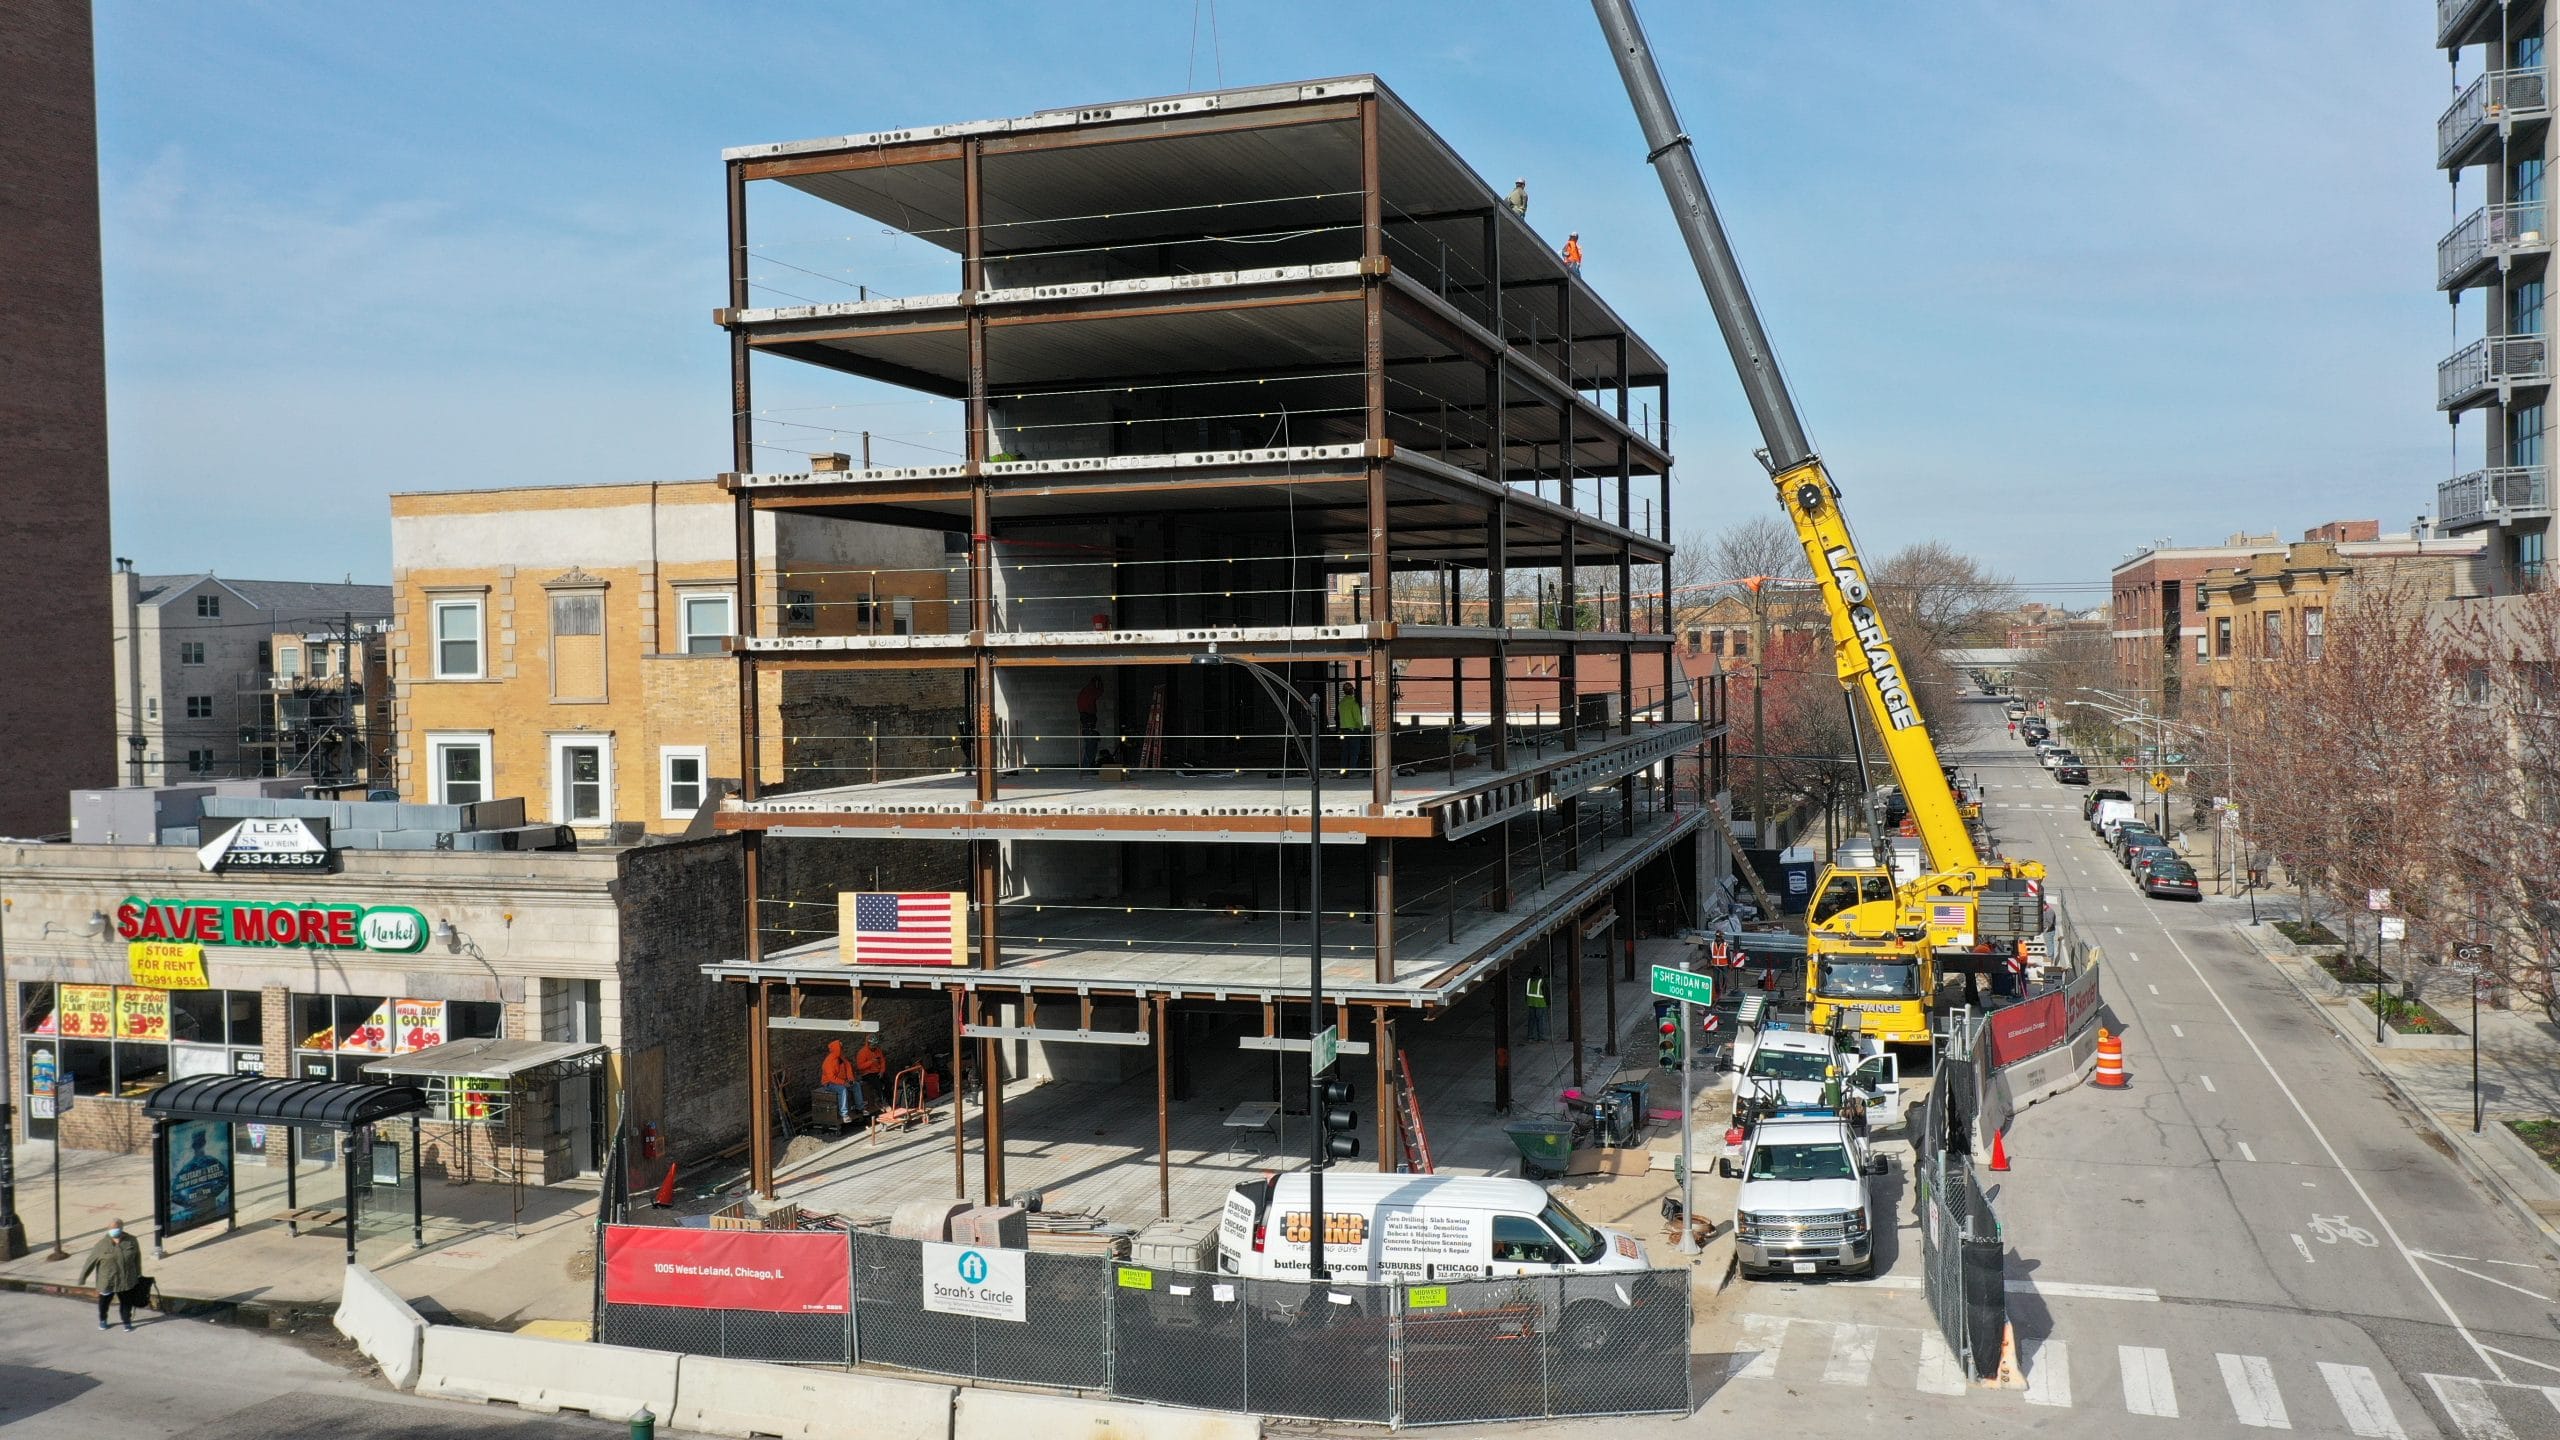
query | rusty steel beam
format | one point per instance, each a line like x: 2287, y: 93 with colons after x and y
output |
x: 837, y: 162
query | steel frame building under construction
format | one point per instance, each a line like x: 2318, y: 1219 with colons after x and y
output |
x: 1266, y: 375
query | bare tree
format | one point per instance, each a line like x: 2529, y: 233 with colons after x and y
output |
x: 2506, y: 683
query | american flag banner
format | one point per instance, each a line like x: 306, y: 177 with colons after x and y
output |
x: 907, y: 927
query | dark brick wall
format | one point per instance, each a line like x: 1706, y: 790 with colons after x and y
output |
x: 55, y: 553
x: 684, y: 1036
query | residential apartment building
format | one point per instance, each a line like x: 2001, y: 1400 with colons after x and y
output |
x: 2152, y: 608
x: 2276, y: 603
x: 54, y: 621
x: 2498, y: 125
x: 1221, y: 363
x: 200, y: 691
x: 571, y: 644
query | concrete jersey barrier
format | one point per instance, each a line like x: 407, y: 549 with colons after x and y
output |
x: 1005, y: 1415
x: 382, y: 1325
x: 742, y: 1397
x: 610, y: 1382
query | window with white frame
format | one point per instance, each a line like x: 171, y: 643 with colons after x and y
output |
x: 208, y: 607
x: 288, y: 660
x: 581, y: 779
x: 457, y: 634
x: 2313, y: 633
x: 682, y: 783
x: 458, y: 768
x: 707, y: 619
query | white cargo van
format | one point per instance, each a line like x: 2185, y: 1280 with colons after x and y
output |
x: 1414, y: 1227
x: 2104, y: 815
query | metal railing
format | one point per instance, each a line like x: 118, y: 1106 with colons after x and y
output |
x: 2503, y: 488
x: 2488, y: 364
x: 2490, y: 233
x: 2450, y: 15
x: 2496, y: 98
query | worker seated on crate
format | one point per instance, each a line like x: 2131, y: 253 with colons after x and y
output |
x: 850, y: 1081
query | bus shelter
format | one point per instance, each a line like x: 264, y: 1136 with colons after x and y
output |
x: 509, y: 1089
x: 192, y: 1155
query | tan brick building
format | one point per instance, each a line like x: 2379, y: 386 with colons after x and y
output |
x: 569, y: 644
x: 2276, y: 604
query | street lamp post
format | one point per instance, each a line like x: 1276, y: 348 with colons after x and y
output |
x: 1284, y: 697
x: 13, y: 1231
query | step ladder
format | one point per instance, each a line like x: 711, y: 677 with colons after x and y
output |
x: 1151, y: 751
x: 1412, y: 1141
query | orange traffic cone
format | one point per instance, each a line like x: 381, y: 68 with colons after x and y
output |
x: 2010, y: 1376
x: 1999, y: 1151
x: 667, y: 1187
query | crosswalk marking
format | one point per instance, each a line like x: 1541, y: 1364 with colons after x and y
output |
x: 2254, y: 1397
x: 2359, y: 1398
x: 2148, y: 1390
x: 1939, y: 1373
x: 1758, y: 1357
x: 2473, y: 1412
x: 1853, y: 1355
x: 2048, y: 1368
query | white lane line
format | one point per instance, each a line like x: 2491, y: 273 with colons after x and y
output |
x: 2049, y: 1374
x: 2390, y: 1231
x: 1758, y: 1357
x: 2473, y: 1412
x: 2248, y: 1154
x: 2477, y: 1260
x: 2255, y: 1401
x: 2174, y: 1030
x: 2054, y: 1289
x: 2119, y: 929
x: 2360, y: 1401
x: 1853, y: 1355
x: 2305, y: 1247
x: 2148, y: 1390
x: 2102, y: 910
x: 2207, y: 1082
x: 2446, y: 1261
x: 1939, y: 1373
x: 2154, y: 989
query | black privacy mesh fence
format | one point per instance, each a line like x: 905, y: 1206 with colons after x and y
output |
x: 1518, y: 1349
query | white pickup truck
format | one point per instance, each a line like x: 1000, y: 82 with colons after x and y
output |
x: 1805, y: 1207
x: 1778, y: 1069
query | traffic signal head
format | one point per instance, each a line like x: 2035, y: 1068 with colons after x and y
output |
x: 1333, y: 1108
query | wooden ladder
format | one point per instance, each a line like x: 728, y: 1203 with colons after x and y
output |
x: 1411, y: 1139
x: 1151, y: 753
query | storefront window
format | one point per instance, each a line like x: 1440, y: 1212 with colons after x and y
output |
x: 114, y: 1038
x: 336, y: 1036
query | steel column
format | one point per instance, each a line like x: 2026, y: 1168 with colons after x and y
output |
x: 1501, y: 998
x: 760, y: 1094
x: 1569, y: 667
x: 1382, y: 902
x: 1572, y: 992
x: 1382, y: 1050
x: 1374, y: 367
x: 974, y: 456
x: 1164, y: 1123
x: 959, y: 1095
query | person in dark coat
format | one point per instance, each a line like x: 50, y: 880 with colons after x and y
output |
x: 117, y: 1262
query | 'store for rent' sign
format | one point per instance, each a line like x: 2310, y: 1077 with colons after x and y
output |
x: 978, y: 1280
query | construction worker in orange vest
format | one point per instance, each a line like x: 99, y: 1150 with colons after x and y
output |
x: 1573, y: 254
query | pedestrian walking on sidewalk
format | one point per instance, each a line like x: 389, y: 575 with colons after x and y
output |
x: 117, y: 1262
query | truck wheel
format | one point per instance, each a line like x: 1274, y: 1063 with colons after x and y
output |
x: 1587, y: 1328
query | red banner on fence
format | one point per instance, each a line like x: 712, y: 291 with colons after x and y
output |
x: 790, y: 1272
x: 2032, y: 1027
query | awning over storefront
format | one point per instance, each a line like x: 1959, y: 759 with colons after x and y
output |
x: 492, y: 1060
x: 256, y: 1100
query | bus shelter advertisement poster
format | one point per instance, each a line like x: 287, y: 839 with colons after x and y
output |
x: 198, y: 1171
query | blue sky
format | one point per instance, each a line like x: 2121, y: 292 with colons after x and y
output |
x: 2051, y: 280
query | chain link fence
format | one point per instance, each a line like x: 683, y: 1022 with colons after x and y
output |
x: 1464, y: 1351
x: 1963, y: 1258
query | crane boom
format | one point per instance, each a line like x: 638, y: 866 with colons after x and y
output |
x: 1863, y: 649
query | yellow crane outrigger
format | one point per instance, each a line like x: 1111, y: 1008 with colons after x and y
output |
x: 1872, y: 946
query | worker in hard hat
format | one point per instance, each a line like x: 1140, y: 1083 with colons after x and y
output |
x: 1518, y: 199
x: 1573, y: 255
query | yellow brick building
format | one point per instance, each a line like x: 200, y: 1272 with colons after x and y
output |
x: 569, y: 644
x: 2275, y: 605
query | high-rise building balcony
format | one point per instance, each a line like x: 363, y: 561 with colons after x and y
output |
x: 2489, y: 107
x: 2490, y: 369
x: 2487, y: 239
x: 2464, y: 22
x: 2500, y: 493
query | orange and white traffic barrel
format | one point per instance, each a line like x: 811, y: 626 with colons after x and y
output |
x: 2110, y: 1061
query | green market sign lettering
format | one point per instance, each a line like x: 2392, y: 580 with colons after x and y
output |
x: 307, y: 925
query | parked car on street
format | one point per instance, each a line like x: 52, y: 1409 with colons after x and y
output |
x: 2130, y: 834
x: 2138, y: 858
x: 2071, y: 773
x: 2171, y: 878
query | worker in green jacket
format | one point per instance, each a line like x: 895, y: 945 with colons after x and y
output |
x: 1354, y: 724
x: 1536, y: 998
x: 117, y: 1262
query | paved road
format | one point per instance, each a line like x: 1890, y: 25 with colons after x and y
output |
x: 2252, y: 1237
x: 60, y: 1377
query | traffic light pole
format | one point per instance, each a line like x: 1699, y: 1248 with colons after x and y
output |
x: 1688, y: 1159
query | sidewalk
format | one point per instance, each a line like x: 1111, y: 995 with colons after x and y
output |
x: 476, y: 1266
x: 2519, y: 1079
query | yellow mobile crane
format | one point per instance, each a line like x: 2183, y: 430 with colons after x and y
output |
x: 1872, y: 946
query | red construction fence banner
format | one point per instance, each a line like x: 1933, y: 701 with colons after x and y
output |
x: 790, y: 1272
x: 2032, y: 1027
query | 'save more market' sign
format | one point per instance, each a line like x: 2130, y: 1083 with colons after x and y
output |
x: 307, y: 925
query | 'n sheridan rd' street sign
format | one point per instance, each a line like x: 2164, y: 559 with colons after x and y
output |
x: 1673, y: 983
